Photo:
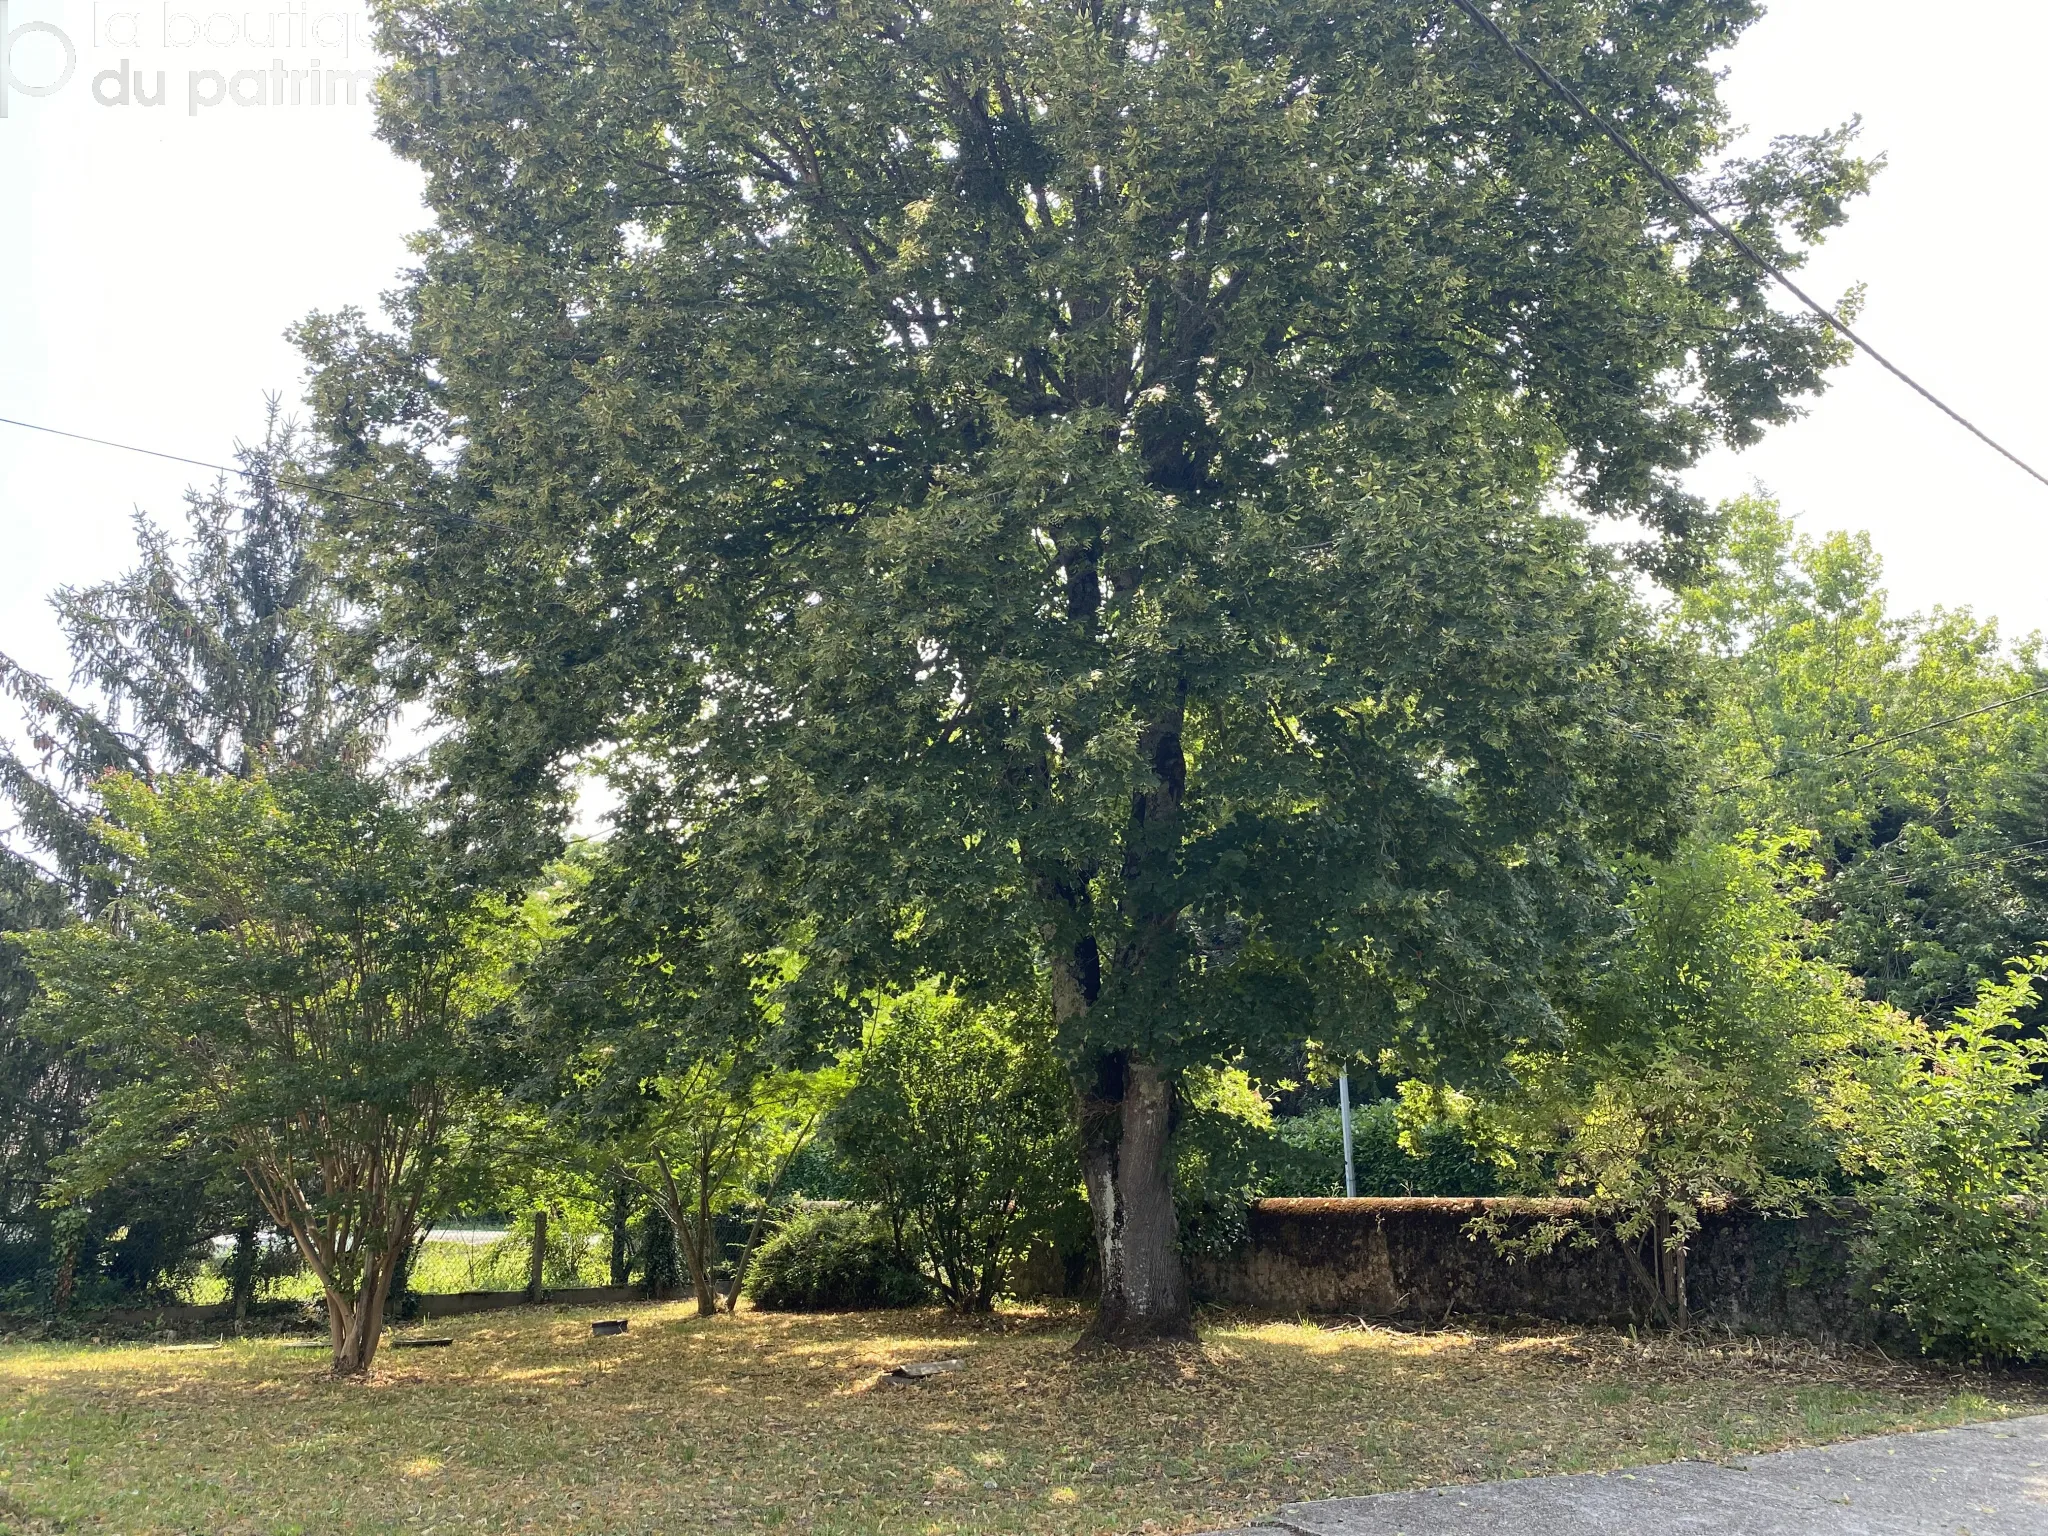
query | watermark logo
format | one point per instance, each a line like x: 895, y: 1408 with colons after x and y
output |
x: 38, y: 58
x: 41, y: 80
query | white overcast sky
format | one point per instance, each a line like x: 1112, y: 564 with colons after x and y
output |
x: 151, y: 259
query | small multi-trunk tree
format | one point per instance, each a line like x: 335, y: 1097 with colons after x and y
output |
x: 717, y: 1132
x: 655, y: 1021
x: 1693, y: 1075
x: 288, y: 973
x: 1071, y: 490
x: 222, y: 652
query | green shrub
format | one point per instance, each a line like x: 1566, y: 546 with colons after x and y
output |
x: 957, y: 1126
x: 1308, y: 1156
x: 827, y: 1259
x: 1947, y: 1126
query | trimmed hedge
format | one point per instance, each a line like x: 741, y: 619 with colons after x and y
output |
x: 833, y: 1260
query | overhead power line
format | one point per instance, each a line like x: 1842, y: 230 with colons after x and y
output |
x: 178, y: 458
x: 1749, y: 252
x: 2017, y: 852
x: 1922, y: 730
x: 1882, y: 741
x: 327, y: 490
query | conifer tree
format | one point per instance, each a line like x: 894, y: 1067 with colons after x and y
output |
x: 219, y: 653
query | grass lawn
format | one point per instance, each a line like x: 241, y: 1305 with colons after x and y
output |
x: 443, y: 1266
x: 767, y: 1422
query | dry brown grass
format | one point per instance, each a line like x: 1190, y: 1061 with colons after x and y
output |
x: 765, y: 1422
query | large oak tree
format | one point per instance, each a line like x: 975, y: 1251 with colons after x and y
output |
x: 1093, y: 487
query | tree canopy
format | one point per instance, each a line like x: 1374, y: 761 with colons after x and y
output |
x: 1073, y: 487
x: 1912, y: 747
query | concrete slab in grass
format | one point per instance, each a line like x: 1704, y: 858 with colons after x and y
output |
x: 1981, y: 1480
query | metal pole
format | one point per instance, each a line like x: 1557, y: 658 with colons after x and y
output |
x: 1344, y: 1109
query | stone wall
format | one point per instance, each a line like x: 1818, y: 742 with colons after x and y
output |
x: 1773, y: 1274
x: 1421, y: 1260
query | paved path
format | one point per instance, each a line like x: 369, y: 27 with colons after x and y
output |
x: 1981, y: 1480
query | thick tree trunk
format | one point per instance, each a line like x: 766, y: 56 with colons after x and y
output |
x: 1126, y: 1160
x: 1126, y: 1109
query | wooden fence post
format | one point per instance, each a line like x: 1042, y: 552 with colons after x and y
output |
x: 535, y: 1272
